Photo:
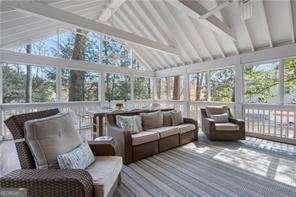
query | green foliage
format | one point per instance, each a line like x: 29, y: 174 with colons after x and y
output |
x: 222, y: 85
x: 142, y: 88
x: 117, y: 87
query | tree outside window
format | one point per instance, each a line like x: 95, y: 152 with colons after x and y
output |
x: 118, y: 87
x: 142, y: 88
x: 290, y: 81
x: 198, y: 87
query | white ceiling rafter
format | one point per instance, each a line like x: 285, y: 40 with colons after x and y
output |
x: 194, y: 9
x: 178, y: 30
x: 144, y: 26
x: 245, y: 27
x: 292, y: 11
x: 265, y: 20
x: 163, y: 25
x: 87, y: 24
x: 110, y: 10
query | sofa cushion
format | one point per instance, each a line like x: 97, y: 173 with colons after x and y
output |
x: 184, y: 128
x: 220, y: 118
x: 176, y: 118
x: 48, y: 137
x: 167, y: 118
x: 144, y: 137
x: 104, y: 172
x: 79, y: 158
x: 226, y: 127
x: 214, y: 110
x: 166, y: 131
x: 131, y: 123
x: 152, y: 120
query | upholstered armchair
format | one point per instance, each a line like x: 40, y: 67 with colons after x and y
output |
x: 56, y: 182
x: 232, y: 129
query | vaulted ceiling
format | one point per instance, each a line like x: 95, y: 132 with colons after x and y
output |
x: 168, y: 22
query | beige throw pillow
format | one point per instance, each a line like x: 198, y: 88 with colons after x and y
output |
x: 176, y: 118
x: 131, y: 123
x: 152, y: 120
x: 48, y: 137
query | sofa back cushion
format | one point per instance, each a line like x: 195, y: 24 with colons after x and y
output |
x: 176, y: 118
x: 216, y: 110
x: 220, y: 118
x: 131, y: 123
x: 79, y: 158
x: 49, y: 137
x: 152, y: 120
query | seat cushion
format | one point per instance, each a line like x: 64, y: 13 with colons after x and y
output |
x: 184, y: 128
x: 104, y: 172
x: 226, y: 127
x: 144, y: 137
x: 48, y: 137
x: 166, y: 131
x: 152, y: 120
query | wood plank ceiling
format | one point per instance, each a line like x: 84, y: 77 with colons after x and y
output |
x: 273, y: 23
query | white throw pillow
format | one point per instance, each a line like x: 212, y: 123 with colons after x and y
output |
x: 220, y: 118
x: 131, y: 123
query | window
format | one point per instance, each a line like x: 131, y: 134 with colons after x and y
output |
x: 142, y: 88
x: 175, y: 87
x: 118, y: 87
x: 163, y: 89
x: 198, y: 88
x: 261, y: 83
x: 43, y: 84
x: 222, y: 85
x: 91, y: 86
x: 14, y: 83
x: 290, y: 81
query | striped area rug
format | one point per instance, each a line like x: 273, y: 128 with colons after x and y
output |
x: 208, y: 169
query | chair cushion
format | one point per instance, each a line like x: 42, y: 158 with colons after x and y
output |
x: 176, y: 118
x: 144, y: 137
x: 104, y: 172
x: 79, y: 158
x: 48, y: 137
x: 152, y: 120
x: 226, y: 127
x: 220, y: 118
x: 166, y: 131
x: 214, y: 110
x: 184, y: 128
x: 131, y: 123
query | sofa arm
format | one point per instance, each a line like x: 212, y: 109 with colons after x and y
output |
x: 209, y: 125
x: 239, y: 122
x: 50, y: 182
x: 103, y: 148
x: 192, y: 121
x: 123, y: 139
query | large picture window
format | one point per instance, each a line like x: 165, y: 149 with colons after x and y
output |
x: 261, y: 83
x: 222, y: 85
x: 118, y: 87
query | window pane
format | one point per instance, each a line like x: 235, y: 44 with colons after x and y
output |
x: 91, y: 86
x: 290, y: 81
x: 261, y: 83
x: 117, y: 87
x: 222, y: 85
x: 14, y: 83
x: 163, y: 89
x: 65, y: 84
x: 142, y: 88
x: 43, y: 84
x: 198, y: 87
x: 175, y: 87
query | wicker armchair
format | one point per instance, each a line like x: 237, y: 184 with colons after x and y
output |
x: 234, y: 129
x: 48, y: 182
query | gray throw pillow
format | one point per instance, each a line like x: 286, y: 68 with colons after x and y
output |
x: 131, y: 123
x: 48, y: 137
x: 176, y: 118
x: 152, y: 120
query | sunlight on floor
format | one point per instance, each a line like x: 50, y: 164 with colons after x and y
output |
x: 286, y: 172
x: 195, y: 148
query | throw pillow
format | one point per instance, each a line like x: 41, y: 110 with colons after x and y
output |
x: 131, y: 123
x: 220, y: 118
x: 214, y: 110
x: 152, y: 120
x: 48, y: 137
x: 167, y: 118
x: 79, y: 158
x: 177, y: 118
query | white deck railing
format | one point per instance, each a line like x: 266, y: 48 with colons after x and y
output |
x: 274, y: 122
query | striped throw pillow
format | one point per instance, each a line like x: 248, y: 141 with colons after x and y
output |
x: 79, y: 158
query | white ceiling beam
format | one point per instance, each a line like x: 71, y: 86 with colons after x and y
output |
x: 260, y: 56
x: 167, y: 31
x: 292, y: 11
x: 110, y: 10
x: 245, y: 27
x: 36, y: 60
x: 178, y: 31
x: 194, y: 9
x: 265, y: 21
x: 87, y: 24
x: 219, y: 45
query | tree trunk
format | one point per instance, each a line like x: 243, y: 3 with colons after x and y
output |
x: 29, y: 78
x: 176, y: 91
x: 198, y: 87
x: 77, y: 78
x: 158, y: 85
